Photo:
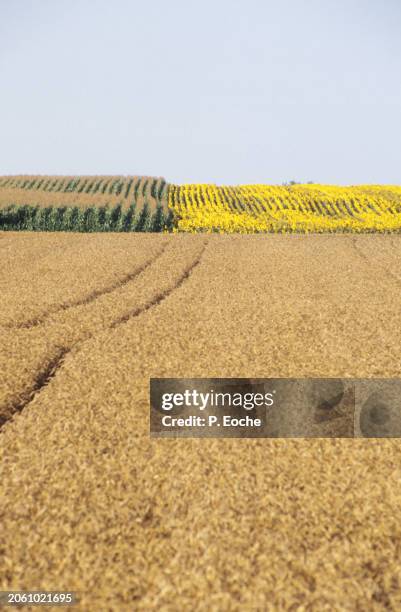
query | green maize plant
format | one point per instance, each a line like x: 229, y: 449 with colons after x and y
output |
x: 41, y: 219
x: 144, y: 187
x: 34, y: 216
x: 129, y: 219
x: 49, y: 219
x: 73, y: 221
x: 37, y: 220
x: 116, y: 218
x: 113, y: 185
x: 119, y: 187
x: 103, y: 218
x: 60, y: 186
x: 52, y: 186
x: 89, y: 220
x: 129, y: 184
x: 89, y: 187
x: 144, y: 219
x: 105, y: 185
x: 20, y: 217
x: 60, y: 216
x: 26, y: 217
x: 17, y: 216
x: 161, y: 189
x: 169, y: 221
x: 82, y: 186
x: 97, y: 186
x: 158, y: 221
x: 72, y: 185
x: 8, y: 218
x: 136, y: 189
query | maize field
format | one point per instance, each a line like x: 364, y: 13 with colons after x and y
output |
x: 84, y: 204
x: 82, y: 191
x: 31, y: 188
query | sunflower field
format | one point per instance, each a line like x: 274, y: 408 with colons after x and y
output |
x: 298, y: 208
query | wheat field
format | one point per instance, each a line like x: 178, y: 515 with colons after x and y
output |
x: 89, y: 503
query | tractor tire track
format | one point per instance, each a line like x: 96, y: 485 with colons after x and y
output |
x: 94, y: 295
x: 162, y: 295
x: 53, y: 364
x: 42, y: 378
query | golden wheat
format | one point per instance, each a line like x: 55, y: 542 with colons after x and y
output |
x: 89, y: 502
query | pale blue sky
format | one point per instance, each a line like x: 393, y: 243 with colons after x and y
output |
x: 223, y: 91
